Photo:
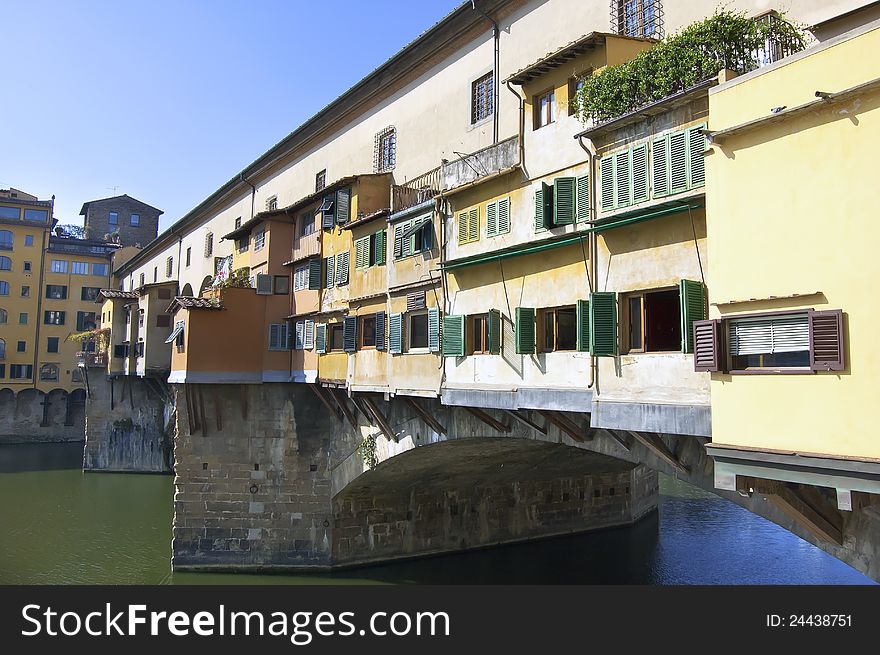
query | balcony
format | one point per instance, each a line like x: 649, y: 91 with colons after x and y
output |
x: 306, y: 245
x: 481, y: 164
x: 416, y: 191
x: 91, y: 359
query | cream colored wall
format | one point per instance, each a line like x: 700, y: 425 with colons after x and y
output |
x: 157, y: 353
x: 415, y: 372
x: 792, y: 209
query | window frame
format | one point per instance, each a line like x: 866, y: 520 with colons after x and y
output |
x: 763, y: 370
x: 541, y: 327
x: 385, y: 158
x: 335, y: 328
x: 537, y: 113
x: 486, y: 96
x: 366, y: 329
x: 472, y: 334
x: 112, y: 218
x: 410, y: 332
x: 134, y: 220
x: 625, y: 326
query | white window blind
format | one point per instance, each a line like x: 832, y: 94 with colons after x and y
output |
x: 309, y: 338
x: 787, y: 333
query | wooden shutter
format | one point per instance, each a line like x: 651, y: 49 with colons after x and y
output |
x: 321, y: 338
x: 264, y: 285
x: 427, y: 235
x: 622, y: 179
x: 474, y: 224
x: 395, y: 334
x: 330, y: 264
x: 274, y: 336
x: 564, y: 200
x: 678, y: 178
x: 492, y: 219
x: 453, y: 336
x: 583, y: 326
x: 434, y: 329
x: 504, y: 216
x: 343, y: 206
x: 606, y: 174
x: 342, y: 261
x: 583, y: 198
x: 603, y: 324
x: 361, y: 252
x: 525, y: 330
x: 328, y: 217
x: 380, y: 330
x: 349, y: 334
x: 707, y: 345
x: 660, y: 167
x: 415, y: 301
x: 494, y: 332
x: 696, y: 156
x: 462, y: 227
x: 692, y: 299
x: 309, y: 336
x: 398, y: 238
x: 380, y: 247
x: 315, y: 274
x: 640, y: 173
x: 300, y: 339
x: 826, y: 341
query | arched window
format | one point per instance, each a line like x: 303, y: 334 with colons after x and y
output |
x: 49, y: 372
x: 3, y: 316
x: 5, y: 240
x: 2, y: 349
x: 5, y: 264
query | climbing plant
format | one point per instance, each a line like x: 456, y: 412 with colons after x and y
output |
x: 101, y: 337
x: 727, y: 39
x: 367, y: 450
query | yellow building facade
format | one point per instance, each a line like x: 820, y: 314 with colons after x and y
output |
x: 791, y: 228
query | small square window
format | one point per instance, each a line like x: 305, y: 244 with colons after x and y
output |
x: 335, y: 337
x: 282, y: 284
x: 321, y: 180
x: 21, y: 346
x: 367, y: 331
x: 482, y: 98
x: 25, y: 291
x: 28, y: 239
x: 113, y: 218
x: 385, y: 152
x: 544, y: 108
x: 417, y: 334
x: 135, y: 220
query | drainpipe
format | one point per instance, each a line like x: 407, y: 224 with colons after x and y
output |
x: 592, y: 242
x: 253, y: 192
x: 495, y: 37
x: 521, y: 126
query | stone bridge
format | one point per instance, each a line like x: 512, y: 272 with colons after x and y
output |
x: 296, y: 476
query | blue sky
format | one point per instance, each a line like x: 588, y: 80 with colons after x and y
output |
x: 165, y: 100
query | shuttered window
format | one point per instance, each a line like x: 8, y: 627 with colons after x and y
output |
x: 315, y: 274
x: 415, y: 236
x: 453, y: 335
x: 343, y: 206
x: 774, y: 334
x: 603, y: 324
x: 380, y: 331
x: 349, y: 334
x: 564, y: 200
x: 498, y: 217
x: 693, y: 308
x: 299, y: 339
x: 524, y: 325
x: 639, y: 169
x: 494, y: 320
x: 370, y: 250
x: 330, y: 269
x: 543, y: 207
x: 469, y: 225
x: 309, y: 336
x: 278, y: 336
x: 707, y: 345
x: 826, y: 337
x: 434, y: 329
x: 321, y: 338
x: 583, y: 325
x: 606, y: 174
x: 659, y: 168
x: 328, y: 212
x: 622, y: 180
x: 395, y: 334
x: 301, y: 278
x: 677, y: 161
x: 342, y: 262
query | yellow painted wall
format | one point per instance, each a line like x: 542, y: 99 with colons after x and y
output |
x: 415, y: 371
x: 792, y: 209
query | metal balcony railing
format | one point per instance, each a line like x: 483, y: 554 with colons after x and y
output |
x: 415, y: 191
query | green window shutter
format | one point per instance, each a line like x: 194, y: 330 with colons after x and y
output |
x: 693, y: 308
x: 504, y: 216
x: 330, y: 267
x: 398, y: 239
x: 359, y: 253
x: 494, y: 332
x: 321, y: 338
x: 349, y: 334
x: 696, y: 156
x: 492, y: 219
x: 474, y: 224
x: 660, y: 167
x: 640, y: 173
x: 603, y: 324
x: 525, y: 330
x: 395, y: 334
x: 606, y: 173
x: 380, y: 247
x: 328, y: 218
x: 539, y: 210
x: 564, y: 200
x: 462, y: 227
x: 583, y: 326
x: 434, y: 329
x: 342, y: 263
x: 380, y: 330
x: 678, y: 178
x: 453, y: 336
x: 583, y: 199
x: 343, y: 206
x: 315, y: 274
x: 406, y: 241
x: 622, y: 179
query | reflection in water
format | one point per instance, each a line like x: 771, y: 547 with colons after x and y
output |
x: 62, y: 526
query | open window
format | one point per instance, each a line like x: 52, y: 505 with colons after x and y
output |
x: 417, y: 331
x: 557, y: 329
x: 652, y: 321
x: 335, y: 341
x: 366, y: 331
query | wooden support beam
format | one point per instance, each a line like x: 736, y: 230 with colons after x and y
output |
x: 203, y: 419
x: 798, y: 504
x: 218, y: 419
x: 565, y: 425
x: 113, y: 396
x: 244, y: 400
x: 343, y: 405
x: 187, y: 403
x: 363, y: 410
x: 657, y: 446
x: 524, y: 419
x: 130, y: 394
x: 489, y: 420
x: 621, y: 439
x: 380, y: 418
x: 425, y: 415
x: 320, y: 394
